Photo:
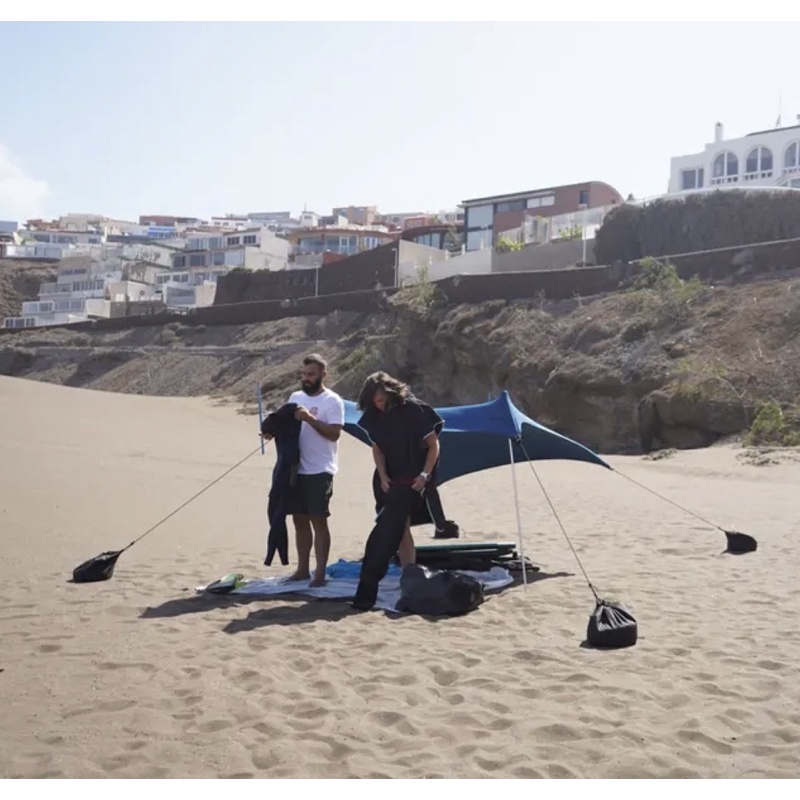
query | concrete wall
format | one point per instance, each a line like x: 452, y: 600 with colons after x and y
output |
x: 555, y: 255
x: 731, y: 264
x: 478, y: 262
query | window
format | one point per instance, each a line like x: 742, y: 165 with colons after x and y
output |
x: 233, y: 241
x: 725, y: 169
x: 758, y: 164
x: 583, y: 198
x: 692, y: 178
x: 791, y: 158
x: 478, y: 240
x: 510, y: 205
x: 310, y: 244
x: 249, y: 240
x: 218, y: 258
x: 430, y: 240
x: 197, y: 260
x: 179, y: 262
x: 541, y: 200
x: 480, y: 217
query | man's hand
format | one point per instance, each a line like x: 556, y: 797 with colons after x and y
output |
x: 385, y: 484
x: 304, y: 415
x: 419, y: 483
x: 267, y: 437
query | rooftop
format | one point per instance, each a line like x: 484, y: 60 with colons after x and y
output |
x: 775, y: 130
x: 521, y: 195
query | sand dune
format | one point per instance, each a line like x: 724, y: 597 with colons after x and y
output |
x: 137, y: 677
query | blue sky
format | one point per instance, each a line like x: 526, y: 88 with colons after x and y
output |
x: 210, y: 118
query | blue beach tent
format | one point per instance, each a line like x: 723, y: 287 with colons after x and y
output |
x: 492, y: 434
x: 486, y: 435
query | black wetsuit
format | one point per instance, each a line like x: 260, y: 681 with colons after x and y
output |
x: 399, y: 434
x: 285, y: 429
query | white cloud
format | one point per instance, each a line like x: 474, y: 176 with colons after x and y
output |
x: 21, y: 196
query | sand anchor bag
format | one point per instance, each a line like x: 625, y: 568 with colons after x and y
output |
x: 611, y: 626
x: 447, y: 594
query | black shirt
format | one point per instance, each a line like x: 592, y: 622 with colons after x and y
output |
x: 399, y: 433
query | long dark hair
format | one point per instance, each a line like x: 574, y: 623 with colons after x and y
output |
x: 397, y: 392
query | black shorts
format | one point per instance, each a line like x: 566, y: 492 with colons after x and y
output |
x: 311, y: 495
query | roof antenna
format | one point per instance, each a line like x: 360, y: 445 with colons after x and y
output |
x: 780, y: 111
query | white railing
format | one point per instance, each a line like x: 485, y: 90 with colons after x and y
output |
x: 543, y: 230
x: 33, y: 251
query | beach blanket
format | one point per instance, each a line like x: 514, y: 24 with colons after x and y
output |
x: 342, y: 581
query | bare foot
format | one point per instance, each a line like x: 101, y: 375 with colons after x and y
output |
x: 300, y: 575
x: 317, y: 580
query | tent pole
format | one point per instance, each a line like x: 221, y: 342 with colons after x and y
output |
x: 516, y: 506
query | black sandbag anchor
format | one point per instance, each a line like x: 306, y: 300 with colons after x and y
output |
x: 739, y: 543
x: 611, y: 626
x: 99, y: 568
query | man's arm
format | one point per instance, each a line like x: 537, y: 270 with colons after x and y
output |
x: 431, y: 457
x: 380, y: 465
x: 330, y: 431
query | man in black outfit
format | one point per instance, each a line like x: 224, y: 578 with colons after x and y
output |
x: 405, y: 443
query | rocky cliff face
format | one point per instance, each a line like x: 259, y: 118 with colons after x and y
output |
x: 678, y: 367
x: 20, y: 281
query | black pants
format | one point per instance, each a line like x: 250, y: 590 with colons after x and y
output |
x: 383, y: 542
x: 426, y: 508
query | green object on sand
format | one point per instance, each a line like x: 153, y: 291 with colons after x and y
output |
x: 227, y: 583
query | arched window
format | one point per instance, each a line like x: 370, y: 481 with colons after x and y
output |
x: 725, y: 169
x: 791, y: 158
x: 758, y: 164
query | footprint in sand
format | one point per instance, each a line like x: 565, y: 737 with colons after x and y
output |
x: 488, y: 764
x: 557, y: 733
x: 115, y: 705
x: 695, y: 737
x: 214, y: 725
x: 324, y: 689
x: 774, y: 666
x: 444, y: 677
x: 137, y: 744
x: 526, y: 772
x: 49, y: 648
x: 500, y: 724
x: 140, y: 665
x: 115, y: 763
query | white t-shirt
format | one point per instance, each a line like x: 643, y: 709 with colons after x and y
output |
x: 318, y: 454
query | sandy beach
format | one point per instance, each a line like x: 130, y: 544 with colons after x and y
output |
x: 138, y: 677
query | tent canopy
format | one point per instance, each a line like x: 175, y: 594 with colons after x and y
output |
x: 476, y: 437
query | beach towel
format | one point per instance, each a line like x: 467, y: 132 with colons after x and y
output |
x: 342, y: 581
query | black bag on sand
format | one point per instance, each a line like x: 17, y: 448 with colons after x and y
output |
x: 611, y: 626
x: 440, y: 594
x: 99, y: 568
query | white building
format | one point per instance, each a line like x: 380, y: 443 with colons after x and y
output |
x: 764, y: 158
x: 85, y: 289
x: 253, y: 248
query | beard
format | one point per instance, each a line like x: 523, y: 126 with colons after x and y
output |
x: 311, y: 387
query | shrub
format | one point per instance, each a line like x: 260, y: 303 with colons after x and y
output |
x: 774, y: 425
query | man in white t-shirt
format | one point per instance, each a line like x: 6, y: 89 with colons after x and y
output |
x: 322, y: 414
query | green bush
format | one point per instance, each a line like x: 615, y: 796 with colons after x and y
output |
x: 697, y: 222
x: 774, y: 425
x: 658, y: 295
x: 507, y: 245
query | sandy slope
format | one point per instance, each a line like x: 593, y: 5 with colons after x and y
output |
x: 138, y: 678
